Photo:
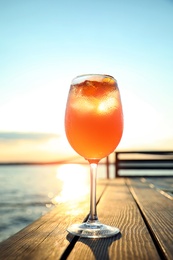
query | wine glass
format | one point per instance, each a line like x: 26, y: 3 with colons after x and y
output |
x: 94, y: 126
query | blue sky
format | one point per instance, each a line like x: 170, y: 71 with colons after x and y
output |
x: 44, y: 44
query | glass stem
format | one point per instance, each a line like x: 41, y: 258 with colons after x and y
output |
x: 93, y: 175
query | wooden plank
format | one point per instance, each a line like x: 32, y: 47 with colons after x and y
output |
x: 163, y: 184
x: 157, y: 210
x: 161, y: 152
x: 118, y: 208
x: 145, y: 167
x: 143, y: 161
x: 46, y: 238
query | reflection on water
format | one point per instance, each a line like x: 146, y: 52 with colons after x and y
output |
x: 75, y: 182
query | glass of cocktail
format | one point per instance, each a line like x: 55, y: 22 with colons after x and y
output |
x: 94, y: 126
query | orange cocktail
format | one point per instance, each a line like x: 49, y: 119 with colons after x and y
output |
x: 94, y: 118
x: 94, y: 126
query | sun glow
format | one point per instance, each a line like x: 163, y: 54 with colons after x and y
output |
x: 75, y: 180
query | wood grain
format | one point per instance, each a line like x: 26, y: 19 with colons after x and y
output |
x: 117, y: 208
x: 143, y: 215
x: 157, y: 211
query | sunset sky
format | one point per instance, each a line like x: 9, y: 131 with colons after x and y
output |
x: 45, y: 44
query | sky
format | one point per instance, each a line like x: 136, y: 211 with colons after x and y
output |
x: 45, y: 44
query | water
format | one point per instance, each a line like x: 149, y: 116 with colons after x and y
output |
x: 28, y: 192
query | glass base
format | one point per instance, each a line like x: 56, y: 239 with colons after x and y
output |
x: 96, y: 230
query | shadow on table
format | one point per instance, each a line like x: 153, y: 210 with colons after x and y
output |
x: 99, y: 247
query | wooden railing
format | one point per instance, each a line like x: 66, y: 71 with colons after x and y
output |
x: 141, y: 160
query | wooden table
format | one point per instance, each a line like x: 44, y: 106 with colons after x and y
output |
x: 143, y: 213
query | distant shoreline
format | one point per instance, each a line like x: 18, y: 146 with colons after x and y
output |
x: 42, y: 163
x: 38, y: 163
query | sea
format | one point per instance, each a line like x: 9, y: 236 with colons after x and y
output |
x: 28, y: 192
